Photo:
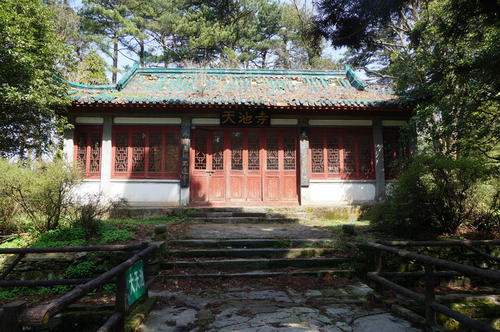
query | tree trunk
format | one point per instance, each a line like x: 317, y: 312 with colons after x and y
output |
x: 115, y: 55
x: 142, y: 61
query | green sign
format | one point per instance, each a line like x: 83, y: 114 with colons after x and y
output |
x: 136, y: 287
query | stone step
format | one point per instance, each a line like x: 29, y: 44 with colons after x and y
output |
x: 212, y: 214
x: 209, y: 214
x: 251, y: 243
x: 254, y: 263
x: 242, y: 220
x: 256, y: 274
x: 252, y: 252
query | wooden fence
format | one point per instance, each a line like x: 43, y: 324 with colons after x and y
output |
x: 14, y: 316
x: 430, y: 274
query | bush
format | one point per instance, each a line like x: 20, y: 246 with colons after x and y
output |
x: 41, y: 191
x: 437, y: 194
x: 90, y: 209
x: 8, y: 206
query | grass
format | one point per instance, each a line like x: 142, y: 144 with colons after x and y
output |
x: 109, y: 231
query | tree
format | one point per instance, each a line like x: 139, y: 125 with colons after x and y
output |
x: 300, y: 46
x: 90, y: 71
x: 452, y: 72
x: 448, y: 68
x: 372, y: 30
x: 106, y: 22
x: 31, y: 95
x: 68, y: 26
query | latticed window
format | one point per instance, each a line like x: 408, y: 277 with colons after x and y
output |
x: 200, y: 151
x: 237, y: 150
x: 333, y: 154
x: 272, y: 158
x: 155, y: 145
x: 253, y: 151
x: 317, y: 154
x: 348, y: 148
x: 88, y: 140
x: 218, y: 151
x: 365, y: 152
x: 289, y: 151
x: 341, y: 153
x: 146, y: 152
x: 394, y: 152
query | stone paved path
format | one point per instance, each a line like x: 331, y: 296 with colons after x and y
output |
x: 255, y: 231
x: 269, y: 310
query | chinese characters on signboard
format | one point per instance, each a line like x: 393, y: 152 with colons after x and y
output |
x: 136, y: 286
x: 245, y: 117
x: 185, y: 142
x: 304, y: 157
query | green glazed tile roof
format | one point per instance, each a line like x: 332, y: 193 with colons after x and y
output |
x: 236, y: 87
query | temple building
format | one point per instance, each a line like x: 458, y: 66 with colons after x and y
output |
x: 223, y: 137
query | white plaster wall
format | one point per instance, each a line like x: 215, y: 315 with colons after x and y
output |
x: 338, y: 192
x: 136, y: 193
x: 146, y: 193
x: 87, y: 188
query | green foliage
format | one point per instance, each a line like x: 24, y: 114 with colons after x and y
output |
x: 91, y: 70
x: 31, y: 96
x: 41, y: 191
x: 452, y: 73
x: 27, y: 291
x: 17, y: 241
x: 88, y: 211
x: 436, y: 195
x: 65, y: 236
x: 84, y: 269
x: 110, y: 235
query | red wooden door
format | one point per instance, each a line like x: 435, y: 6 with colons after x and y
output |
x: 208, y: 181
x: 243, y: 166
x: 288, y: 180
x: 280, y: 169
x: 217, y: 176
x: 253, y: 165
x: 272, y: 166
x: 236, y: 178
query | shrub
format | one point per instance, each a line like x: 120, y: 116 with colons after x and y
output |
x: 90, y: 209
x: 64, y: 236
x: 8, y: 206
x: 437, y: 194
x: 115, y: 234
x: 41, y: 191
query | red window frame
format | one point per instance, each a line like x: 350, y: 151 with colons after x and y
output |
x: 146, y: 173
x: 322, y: 137
x: 90, y: 158
x: 394, y: 152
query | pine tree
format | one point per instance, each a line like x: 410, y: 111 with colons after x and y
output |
x: 106, y: 22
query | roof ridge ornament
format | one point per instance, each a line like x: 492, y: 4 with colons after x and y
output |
x: 354, y: 79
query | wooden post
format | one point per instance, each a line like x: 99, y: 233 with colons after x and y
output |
x: 121, y: 300
x: 430, y: 314
x: 378, y: 268
x: 184, y: 172
x: 378, y: 142
x: 304, y: 155
x: 9, y: 321
x: 378, y: 261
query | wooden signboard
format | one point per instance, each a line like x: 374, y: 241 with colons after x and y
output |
x: 245, y: 118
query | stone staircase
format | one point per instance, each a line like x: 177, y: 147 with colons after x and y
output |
x: 229, y: 257
x: 246, y: 215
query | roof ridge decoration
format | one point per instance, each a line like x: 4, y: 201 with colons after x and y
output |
x: 214, y: 86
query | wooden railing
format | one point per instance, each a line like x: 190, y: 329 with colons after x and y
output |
x: 448, y: 269
x: 14, y: 316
